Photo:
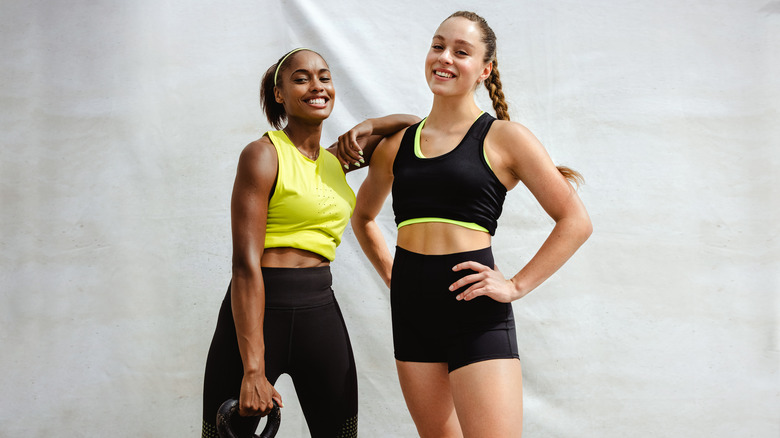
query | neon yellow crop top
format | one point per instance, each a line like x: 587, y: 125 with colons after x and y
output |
x: 311, y: 203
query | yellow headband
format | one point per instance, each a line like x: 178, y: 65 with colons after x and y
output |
x: 276, y: 73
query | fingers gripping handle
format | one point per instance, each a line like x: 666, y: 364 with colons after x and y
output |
x: 229, y: 410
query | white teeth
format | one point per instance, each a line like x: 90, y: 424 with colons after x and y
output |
x: 317, y: 101
x: 443, y: 74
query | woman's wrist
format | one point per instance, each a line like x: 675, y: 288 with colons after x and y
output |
x: 369, y: 125
x: 392, y: 123
x: 520, y: 288
x: 257, y: 369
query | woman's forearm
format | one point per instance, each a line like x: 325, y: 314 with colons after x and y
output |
x: 355, y: 147
x: 374, y: 246
x: 392, y: 123
x: 564, y: 240
x: 248, y: 305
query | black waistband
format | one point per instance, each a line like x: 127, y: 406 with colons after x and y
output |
x: 297, y: 287
x: 456, y: 257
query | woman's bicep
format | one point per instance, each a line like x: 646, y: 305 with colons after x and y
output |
x: 553, y: 192
x: 530, y: 163
x: 255, y: 178
x: 372, y: 195
x: 379, y: 181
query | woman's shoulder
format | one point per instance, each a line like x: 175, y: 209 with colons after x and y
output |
x: 511, y: 147
x: 260, y: 146
x: 385, y: 152
x: 512, y: 138
x: 260, y: 151
x: 391, y: 142
x: 511, y: 132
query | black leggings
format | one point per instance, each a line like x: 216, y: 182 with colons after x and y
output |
x: 305, y: 337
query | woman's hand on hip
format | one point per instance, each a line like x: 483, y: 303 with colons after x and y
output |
x: 485, y: 281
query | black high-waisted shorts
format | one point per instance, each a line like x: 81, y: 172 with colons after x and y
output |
x: 430, y: 325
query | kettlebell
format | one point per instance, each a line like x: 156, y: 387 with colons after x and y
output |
x: 229, y: 410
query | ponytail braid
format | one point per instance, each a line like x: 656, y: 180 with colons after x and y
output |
x: 493, y: 85
x: 493, y: 82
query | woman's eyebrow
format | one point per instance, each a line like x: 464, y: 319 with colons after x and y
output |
x: 462, y: 42
x: 303, y: 70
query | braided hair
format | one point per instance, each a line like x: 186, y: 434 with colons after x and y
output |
x: 493, y: 82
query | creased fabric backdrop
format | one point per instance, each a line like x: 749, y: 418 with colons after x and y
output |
x: 121, y: 127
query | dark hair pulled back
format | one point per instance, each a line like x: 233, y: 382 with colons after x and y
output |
x: 274, y: 111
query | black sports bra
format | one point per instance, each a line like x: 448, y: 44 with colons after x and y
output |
x: 457, y: 187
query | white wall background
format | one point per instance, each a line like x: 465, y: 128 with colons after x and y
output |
x: 121, y: 127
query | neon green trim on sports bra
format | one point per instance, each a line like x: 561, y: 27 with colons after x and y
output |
x: 418, y: 149
x: 420, y: 220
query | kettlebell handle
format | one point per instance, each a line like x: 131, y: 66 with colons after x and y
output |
x: 229, y: 410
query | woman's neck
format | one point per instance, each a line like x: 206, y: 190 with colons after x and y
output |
x: 452, y: 111
x: 305, y: 136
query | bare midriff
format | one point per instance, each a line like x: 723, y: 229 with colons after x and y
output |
x: 436, y: 238
x: 292, y: 258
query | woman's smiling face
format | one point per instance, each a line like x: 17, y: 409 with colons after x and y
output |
x: 306, y: 89
x: 455, y: 62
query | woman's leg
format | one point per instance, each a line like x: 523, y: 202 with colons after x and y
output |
x: 488, y: 398
x: 323, y: 372
x: 224, y: 371
x: 426, y: 389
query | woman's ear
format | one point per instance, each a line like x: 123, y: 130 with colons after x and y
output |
x: 278, y: 95
x: 486, y: 72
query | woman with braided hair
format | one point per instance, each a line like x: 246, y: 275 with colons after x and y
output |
x: 453, y: 328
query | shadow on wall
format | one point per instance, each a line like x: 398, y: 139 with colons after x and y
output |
x: 771, y: 8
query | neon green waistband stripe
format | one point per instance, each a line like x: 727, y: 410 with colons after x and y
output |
x: 420, y: 220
